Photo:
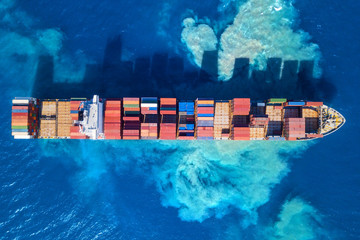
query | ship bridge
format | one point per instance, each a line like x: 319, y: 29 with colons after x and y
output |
x: 92, y: 123
x: 330, y: 120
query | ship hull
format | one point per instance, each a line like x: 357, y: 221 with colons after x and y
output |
x: 150, y: 118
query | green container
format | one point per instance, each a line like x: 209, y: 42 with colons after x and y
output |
x: 131, y: 105
x: 19, y: 127
x: 277, y: 100
x: 132, y: 112
x: 78, y: 99
x: 149, y: 101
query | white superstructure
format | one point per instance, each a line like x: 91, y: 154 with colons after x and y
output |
x: 93, y: 120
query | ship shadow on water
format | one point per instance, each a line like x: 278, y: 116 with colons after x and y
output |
x: 164, y: 75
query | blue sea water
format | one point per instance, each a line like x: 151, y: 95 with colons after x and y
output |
x: 174, y: 190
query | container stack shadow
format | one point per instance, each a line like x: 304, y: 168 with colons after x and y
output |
x: 164, y: 75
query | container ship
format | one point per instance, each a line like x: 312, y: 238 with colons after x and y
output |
x: 276, y: 119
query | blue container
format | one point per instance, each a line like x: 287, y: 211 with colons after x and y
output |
x: 149, y: 100
x: 19, y: 110
x: 296, y: 103
x: 190, y: 126
x: 22, y: 98
x: 182, y: 128
x: 152, y: 108
x: 19, y: 130
x: 74, y: 111
x: 261, y: 115
x: 205, y: 115
x: 203, y: 123
x: 205, y: 138
x: 276, y: 138
x: 205, y: 105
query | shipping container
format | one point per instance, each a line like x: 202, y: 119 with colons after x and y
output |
x: 131, y: 118
x: 150, y: 118
x: 186, y: 121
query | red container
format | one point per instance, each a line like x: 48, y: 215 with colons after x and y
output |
x: 242, y: 100
x: 19, y: 114
x: 20, y: 107
x: 163, y: 112
x: 205, y: 108
x: 242, y: 138
x: 130, y: 137
x: 78, y: 137
x: 131, y: 118
x: 312, y: 135
x: 314, y: 104
x: 185, y: 138
x: 200, y: 111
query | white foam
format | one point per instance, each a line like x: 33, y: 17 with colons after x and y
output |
x: 51, y: 40
x: 202, y: 179
x: 297, y: 220
x: 261, y: 29
x: 198, y: 38
x: 209, y: 179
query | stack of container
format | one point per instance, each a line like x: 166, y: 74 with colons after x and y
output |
x: 259, y: 120
x: 112, y: 119
x: 311, y: 115
x: 294, y: 128
x: 24, y: 118
x: 222, y: 120
x: 274, y: 109
x: 48, y: 119
x: 291, y: 112
x: 149, y: 105
x: 74, y: 113
x: 168, y: 118
x: 74, y: 108
x: 204, y: 114
x: 258, y: 108
x: 64, y: 121
x: 240, y: 109
x: 240, y: 106
x: 258, y: 126
x: 186, y: 121
x: 76, y: 134
x: 150, y: 119
x: 131, y: 118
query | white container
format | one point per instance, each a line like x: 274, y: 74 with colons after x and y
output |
x: 16, y: 101
x: 19, y: 133
x: 22, y: 137
x: 148, y: 105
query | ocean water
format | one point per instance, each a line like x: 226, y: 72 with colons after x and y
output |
x: 52, y: 189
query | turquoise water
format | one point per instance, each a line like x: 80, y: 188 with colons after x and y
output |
x: 179, y: 190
